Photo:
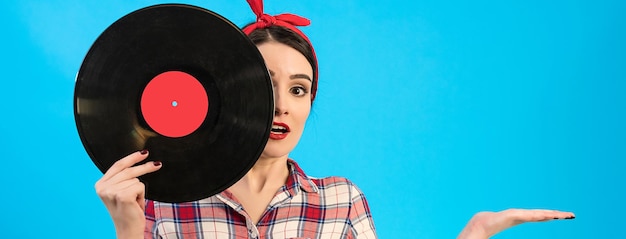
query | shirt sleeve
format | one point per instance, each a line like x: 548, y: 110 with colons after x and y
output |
x: 150, y: 231
x: 360, y: 215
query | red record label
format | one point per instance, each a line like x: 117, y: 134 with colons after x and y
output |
x: 174, y: 104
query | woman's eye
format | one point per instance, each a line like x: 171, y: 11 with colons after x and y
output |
x: 298, y: 91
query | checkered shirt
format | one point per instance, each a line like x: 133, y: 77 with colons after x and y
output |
x: 304, y: 207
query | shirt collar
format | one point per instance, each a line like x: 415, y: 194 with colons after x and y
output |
x: 299, y: 180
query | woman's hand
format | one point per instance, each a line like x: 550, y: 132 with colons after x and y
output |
x: 486, y: 224
x: 123, y: 194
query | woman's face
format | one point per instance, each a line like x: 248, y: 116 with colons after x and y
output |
x: 291, y: 75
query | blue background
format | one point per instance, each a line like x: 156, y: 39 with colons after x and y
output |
x: 436, y: 109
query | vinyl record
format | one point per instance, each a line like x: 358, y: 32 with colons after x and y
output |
x: 184, y: 83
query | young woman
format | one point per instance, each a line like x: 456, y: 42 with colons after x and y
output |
x: 275, y: 199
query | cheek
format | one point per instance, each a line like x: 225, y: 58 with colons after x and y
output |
x: 303, y: 114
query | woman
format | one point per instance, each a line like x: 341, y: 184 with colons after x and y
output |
x: 275, y: 199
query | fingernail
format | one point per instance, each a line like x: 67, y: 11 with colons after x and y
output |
x: 144, y: 151
x: 157, y: 163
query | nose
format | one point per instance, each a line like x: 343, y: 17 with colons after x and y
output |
x: 280, y: 104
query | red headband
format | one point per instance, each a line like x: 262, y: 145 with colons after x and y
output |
x: 287, y: 20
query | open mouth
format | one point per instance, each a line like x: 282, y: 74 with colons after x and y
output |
x: 279, y: 131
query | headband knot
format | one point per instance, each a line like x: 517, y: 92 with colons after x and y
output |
x: 265, y: 20
x: 288, y: 20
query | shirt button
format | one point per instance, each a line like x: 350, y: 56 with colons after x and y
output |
x: 252, y: 233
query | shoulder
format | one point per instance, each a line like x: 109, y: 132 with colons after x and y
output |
x: 326, y: 187
x: 341, y: 188
x: 332, y: 182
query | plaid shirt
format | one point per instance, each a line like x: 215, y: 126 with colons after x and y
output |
x: 304, y: 207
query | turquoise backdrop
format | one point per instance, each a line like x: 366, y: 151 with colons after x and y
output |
x: 436, y: 109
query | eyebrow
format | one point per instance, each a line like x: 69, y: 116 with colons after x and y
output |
x: 296, y: 76
x: 300, y: 76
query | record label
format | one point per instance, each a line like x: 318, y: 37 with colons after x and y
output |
x: 174, y: 104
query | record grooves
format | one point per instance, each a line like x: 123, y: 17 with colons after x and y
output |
x: 184, y: 83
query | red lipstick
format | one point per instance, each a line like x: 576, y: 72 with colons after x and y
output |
x: 279, y: 131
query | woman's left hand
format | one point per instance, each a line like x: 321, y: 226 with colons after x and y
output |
x: 486, y: 224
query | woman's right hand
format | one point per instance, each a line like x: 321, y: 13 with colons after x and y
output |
x: 124, y: 195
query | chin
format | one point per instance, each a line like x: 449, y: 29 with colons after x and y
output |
x: 273, y: 150
x: 271, y: 155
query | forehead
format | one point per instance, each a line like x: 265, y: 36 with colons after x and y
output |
x: 283, y: 58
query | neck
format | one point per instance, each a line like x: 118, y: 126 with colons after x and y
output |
x: 266, y: 173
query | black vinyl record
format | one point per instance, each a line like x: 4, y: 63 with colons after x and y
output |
x: 185, y: 84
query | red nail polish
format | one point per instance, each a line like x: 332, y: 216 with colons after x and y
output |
x: 145, y: 151
x: 157, y: 163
